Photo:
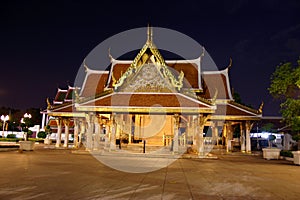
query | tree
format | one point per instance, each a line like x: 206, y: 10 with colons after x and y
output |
x: 269, y: 127
x: 285, y: 86
x: 42, y: 134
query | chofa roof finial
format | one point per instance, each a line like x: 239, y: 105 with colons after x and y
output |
x: 260, y: 110
x: 149, y: 34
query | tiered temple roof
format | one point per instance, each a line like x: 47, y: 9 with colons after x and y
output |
x: 148, y: 80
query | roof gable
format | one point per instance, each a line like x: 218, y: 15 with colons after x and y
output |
x: 149, y: 78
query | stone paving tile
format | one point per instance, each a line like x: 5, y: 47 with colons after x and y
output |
x: 60, y: 174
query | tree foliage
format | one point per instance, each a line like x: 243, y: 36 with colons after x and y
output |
x: 42, y: 134
x: 269, y: 127
x: 285, y: 86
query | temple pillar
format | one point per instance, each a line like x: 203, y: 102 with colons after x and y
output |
x: 229, y: 136
x: 107, y: 136
x: 215, y: 132
x: 97, y: 134
x: 187, y: 130
x: 76, y: 131
x: 82, y: 131
x: 67, y: 125
x: 112, y: 145
x: 89, y: 134
x: 248, y: 139
x: 194, y: 133
x: 129, y: 121
x: 242, y: 138
x: 59, y: 130
x: 200, y: 141
x: 175, y: 138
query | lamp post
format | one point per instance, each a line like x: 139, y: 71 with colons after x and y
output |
x: 4, y: 119
x: 25, y: 120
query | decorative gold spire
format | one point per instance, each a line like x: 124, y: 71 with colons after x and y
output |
x: 261, y: 107
x: 77, y: 98
x: 149, y: 35
x: 213, y: 100
x: 48, y: 104
x: 113, y: 79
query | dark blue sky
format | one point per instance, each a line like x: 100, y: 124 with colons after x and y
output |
x: 44, y: 44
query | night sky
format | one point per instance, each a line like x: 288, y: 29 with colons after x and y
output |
x: 42, y: 45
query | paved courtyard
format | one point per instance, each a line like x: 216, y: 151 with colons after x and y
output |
x: 61, y: 174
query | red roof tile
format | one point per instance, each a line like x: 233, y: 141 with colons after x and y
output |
x: 146, y: 100
x: 233, y: 110
x: 216, y: 81
x: 94, y: 84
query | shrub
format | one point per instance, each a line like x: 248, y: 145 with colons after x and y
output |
x: 42, y: 134
x: 29, y: 132
x: 296, y: 137
x: 286, y: 153
x: 11, y: 139
x: 11, y: 136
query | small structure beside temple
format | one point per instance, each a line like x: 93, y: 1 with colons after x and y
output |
x: 154, y: 102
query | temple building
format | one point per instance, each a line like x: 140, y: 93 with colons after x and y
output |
x: 154, y: 102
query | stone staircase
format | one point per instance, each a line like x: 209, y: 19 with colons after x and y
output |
x: 138, y: 148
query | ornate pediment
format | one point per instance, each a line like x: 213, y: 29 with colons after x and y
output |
x: 149, y: 58
x: 148, y: 79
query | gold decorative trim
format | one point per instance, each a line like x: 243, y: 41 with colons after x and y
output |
x: 66, y: 114
x: 144, y: 110
x: 235, y: 118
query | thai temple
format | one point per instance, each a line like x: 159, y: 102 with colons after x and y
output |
x: 151, y: 102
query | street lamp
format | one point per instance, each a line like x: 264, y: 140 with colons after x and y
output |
x: 25, y: 120
x: 4, y: 119
x: 27, y: 115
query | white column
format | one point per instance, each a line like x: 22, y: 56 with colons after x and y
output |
x: 76, y: 131
x: 129, y: 121
x: 67, y: 124
x: 97, y: 134
x: 59, y: 130
x: 175, y: 138
x: 107, y: 136
x: 248, y: 139
x: 194, y: 132
x: 82, y: 131
x: 200, y: 140
x: 215, y: 132
x: 229, y: 136
x: 112, y: 145
x: 242, y: 138
x: 43, y: 121
x: 89, y: 134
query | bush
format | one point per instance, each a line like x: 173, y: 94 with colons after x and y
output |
x: 296, y: 137
x: 29, y: 132
x: 11, y: 136
x: 11, y: 139
x: 286, y: 153
x: 42, y: 134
